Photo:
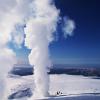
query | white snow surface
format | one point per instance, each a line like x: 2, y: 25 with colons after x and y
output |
x: 70, y: 86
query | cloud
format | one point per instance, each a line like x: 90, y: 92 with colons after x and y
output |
x: 6, y: 5
x: 68, y: 27
x: 12, y: 13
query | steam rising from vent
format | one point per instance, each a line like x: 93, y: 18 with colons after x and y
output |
x: 39, y: 33
x: 37, y: 20
x: 7, y: 59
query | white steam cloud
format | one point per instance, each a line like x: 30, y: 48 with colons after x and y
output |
x: 7, y: 59
x: 8, y: 19
x: 39, y: 33
x: 69, y: 27
x: 35, y: 21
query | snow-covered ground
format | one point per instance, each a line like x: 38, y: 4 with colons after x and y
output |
x: 71, y: 87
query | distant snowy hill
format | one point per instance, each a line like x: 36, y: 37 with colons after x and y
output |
x: 85, y: 70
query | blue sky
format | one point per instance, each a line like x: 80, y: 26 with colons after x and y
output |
x: 84, y: 46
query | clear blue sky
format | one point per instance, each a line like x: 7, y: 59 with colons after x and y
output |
x: 84, y: 46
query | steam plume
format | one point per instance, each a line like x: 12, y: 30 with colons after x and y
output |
x: 7, y: 59
x: 8, y: 19
x: 39, y: 31
x: 40, y: 19
x: 39, y: 34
